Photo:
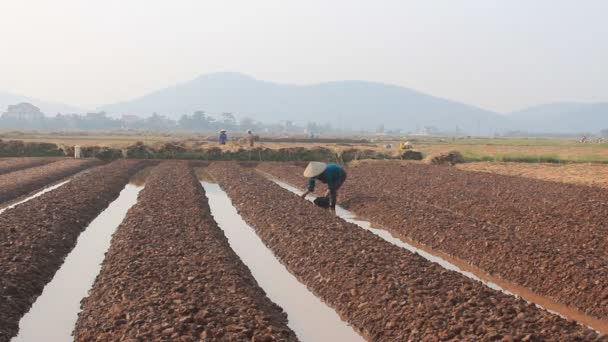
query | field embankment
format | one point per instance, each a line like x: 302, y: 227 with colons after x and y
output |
x: 170, y: 274
x: 385, y: 292
x: 37, y: 235
x: 19, y: 183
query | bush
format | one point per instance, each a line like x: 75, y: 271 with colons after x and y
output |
x: 18, y: 148
x: 411, y: 155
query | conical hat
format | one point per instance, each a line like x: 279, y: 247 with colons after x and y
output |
x: 314, y: 169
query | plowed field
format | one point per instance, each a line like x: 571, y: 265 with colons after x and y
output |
x: 36, y: 236
x: 21, y: 182
x: 386, y: 292
x: 545, y: 236
x: 171, y: 275
x: 13, y: 164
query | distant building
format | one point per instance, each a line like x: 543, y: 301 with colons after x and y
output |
x: 425, y: 131
x: 23, y: 112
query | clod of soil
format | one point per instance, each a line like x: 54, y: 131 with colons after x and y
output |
x: 13, y: 164
x: 22, y: 182
x: 545, y: 236
x: 170, y: 274
x: 37, y: 235
x: 386, y: 292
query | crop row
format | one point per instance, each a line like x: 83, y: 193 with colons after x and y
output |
x: 22, y: 182
x: 36, y: 236
x: 454, y: 212
x: 14, y: 164
x: 387, y: 293
x: 546, y: 236
x: 170, y: 274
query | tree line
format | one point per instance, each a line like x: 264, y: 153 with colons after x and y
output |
x: 199, y: 121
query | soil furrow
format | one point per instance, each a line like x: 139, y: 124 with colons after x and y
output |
x: 15, y: 164
x: 36, y: 236
x: 386, y: 292
x: 170, y: 274
x: 567, y: 267
x: 23, y: 182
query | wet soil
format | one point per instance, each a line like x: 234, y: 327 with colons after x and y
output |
x: 54, y: 313
x: 11, y: 204
x: 170, y: 274
x: 451, y: 263
x: 384, y: 291
x: 547, y: 237
x: 310, y: 318
x: 22, y: 182
x: 15, y: 164
x: 36, y: 236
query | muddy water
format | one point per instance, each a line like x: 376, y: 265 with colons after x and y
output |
x: 309, y: 317
x: 54, y: 314
x: 465, y: 269
x: 39, y: 193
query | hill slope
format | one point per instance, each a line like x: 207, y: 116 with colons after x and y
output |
x: 564, y: 117
x: 344, y: 104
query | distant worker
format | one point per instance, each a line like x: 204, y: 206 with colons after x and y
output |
x: 223, y: 137
x: 250, y: 138
x: 331, y: 174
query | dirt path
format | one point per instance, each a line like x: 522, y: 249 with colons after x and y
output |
x: 22, y: 182
x: 13, y: 164
x: 477, y: 218
x: 36, y: 236
x: 386, y: 292
x: 170, y: 274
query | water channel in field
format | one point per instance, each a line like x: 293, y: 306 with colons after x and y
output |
x: 54, y: 313
x: 308, y: 316
x: 454, y: 264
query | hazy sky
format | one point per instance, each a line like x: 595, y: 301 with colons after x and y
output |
x: 500, y: 55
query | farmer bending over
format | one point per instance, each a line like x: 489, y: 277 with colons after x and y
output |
x: 331, y: 174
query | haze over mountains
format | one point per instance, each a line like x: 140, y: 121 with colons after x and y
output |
x: 563, y: 117
x: 348, y: 105
x: 47, y: 107
x: 353, y: 105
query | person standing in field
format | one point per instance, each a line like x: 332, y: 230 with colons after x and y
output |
x: 331, y: 174
x: 250, y: 138
x: 223, y: 137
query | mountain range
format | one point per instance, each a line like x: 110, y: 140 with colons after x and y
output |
x: 349, y: 105
x: 563, y: 117
x: 354, y: 105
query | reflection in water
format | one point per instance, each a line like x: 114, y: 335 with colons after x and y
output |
x: 309, y: 317
x: 54, y: 313
x: 466, y: 270
x: 39, y: 193
x: 203, y: 175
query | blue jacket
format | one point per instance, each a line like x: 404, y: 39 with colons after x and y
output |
x: 223, y: 138
x: 334, y: 176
